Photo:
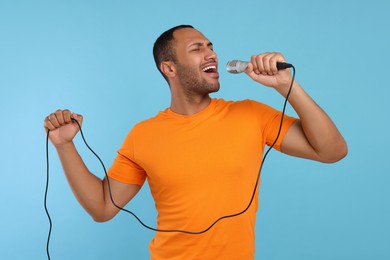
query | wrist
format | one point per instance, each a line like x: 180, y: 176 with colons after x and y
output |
x: 63, y: 146
x: 284, y: 89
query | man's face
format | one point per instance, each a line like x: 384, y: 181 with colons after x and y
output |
x: 197, y: 63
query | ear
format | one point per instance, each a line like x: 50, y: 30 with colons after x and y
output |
x: 168, y: 68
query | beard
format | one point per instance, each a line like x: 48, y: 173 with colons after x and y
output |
x: 193, y: 84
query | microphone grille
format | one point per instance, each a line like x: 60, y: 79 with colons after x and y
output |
x: 236, y: 66
x: 232, y: 63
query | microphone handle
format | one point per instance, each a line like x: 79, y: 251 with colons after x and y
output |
x: 283, y: 65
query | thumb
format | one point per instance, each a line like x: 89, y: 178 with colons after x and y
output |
x: 78, y: 118
x: 250, y: 72
x: 249, y: 68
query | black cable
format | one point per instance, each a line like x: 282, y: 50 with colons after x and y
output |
x: 170, y: 230
x: 45, y: 198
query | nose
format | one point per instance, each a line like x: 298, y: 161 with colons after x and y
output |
x: 210, y: 55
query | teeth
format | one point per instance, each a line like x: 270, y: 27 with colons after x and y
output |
x: 209, y: 68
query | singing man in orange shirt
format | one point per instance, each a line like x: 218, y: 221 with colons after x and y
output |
x: 201, y: 155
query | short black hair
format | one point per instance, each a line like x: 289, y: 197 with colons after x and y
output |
x: 163, y: 47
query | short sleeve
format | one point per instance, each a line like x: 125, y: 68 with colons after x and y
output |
x: 125, y: 169
x: 270, y: 120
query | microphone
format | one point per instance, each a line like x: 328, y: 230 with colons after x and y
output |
x: 239, y: 66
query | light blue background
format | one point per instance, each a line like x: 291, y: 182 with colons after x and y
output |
x: 94, y: 57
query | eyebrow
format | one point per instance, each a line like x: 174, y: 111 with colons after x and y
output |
x: 199, y: 44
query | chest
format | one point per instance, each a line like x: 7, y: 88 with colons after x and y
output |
x: 182, y: 155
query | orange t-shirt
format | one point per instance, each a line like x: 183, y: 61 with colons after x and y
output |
x: 200, y: 168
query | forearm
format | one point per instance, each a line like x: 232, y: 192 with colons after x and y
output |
x: 87, y: 188
x: 319, y: 130
x: 314, y: 136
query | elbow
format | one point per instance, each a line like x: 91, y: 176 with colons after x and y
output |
x: 344, y: 151
x: 337, y: 157
x: 101, y: 217
x: 339, y: 152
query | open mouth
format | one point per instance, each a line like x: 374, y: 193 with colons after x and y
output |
x: 210, y: 69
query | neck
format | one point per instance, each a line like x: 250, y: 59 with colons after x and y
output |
x: 189, y: 106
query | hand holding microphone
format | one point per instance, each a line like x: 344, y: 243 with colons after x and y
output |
x: 267, y: 69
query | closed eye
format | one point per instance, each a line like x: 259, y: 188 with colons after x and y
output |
x: 197, y: 46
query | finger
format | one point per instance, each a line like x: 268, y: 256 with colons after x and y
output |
x: 48, y: 124
x: 278, y: 57
x: 266, y: 63
x: 53, y: 120
x: 257, y: 64
x: 273, y: 69
x: 270, y: 63
x: 78, y: 118
x: 67, y: 116
x: 60, y: 117
x: 249, y: 68
x: 263, y: 61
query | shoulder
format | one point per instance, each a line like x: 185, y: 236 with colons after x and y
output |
x: 147, y: 123
x: 246, y: 104
x: 152, y: 126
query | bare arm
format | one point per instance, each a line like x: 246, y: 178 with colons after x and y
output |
x: 91, y: 192
x: 314, y: 135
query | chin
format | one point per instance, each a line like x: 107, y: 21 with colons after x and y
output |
x: 213, y: 88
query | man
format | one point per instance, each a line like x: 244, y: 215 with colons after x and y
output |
x: 201, y: 156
